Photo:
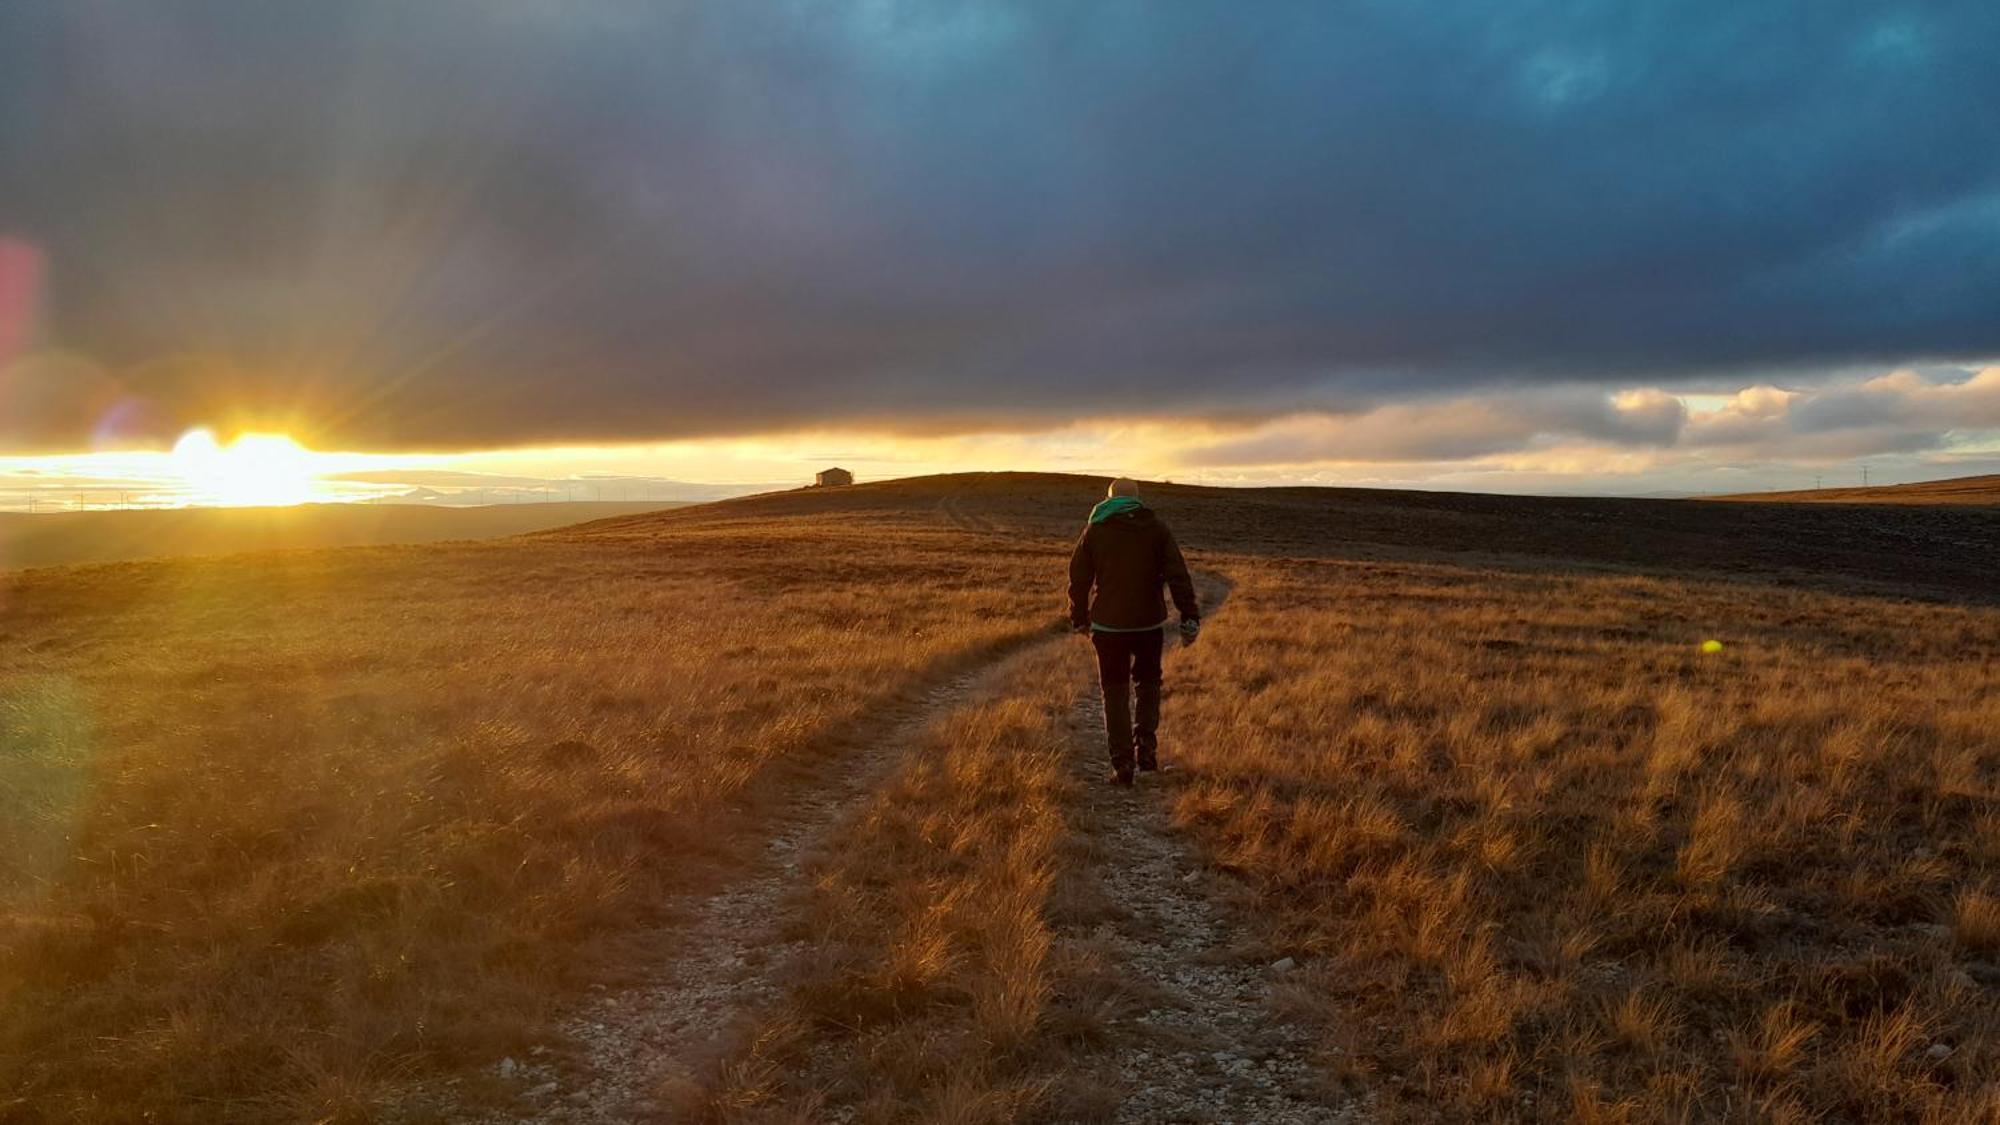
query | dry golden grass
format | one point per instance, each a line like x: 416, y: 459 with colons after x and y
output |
x: 1551, y: 859
x: 276, y: 831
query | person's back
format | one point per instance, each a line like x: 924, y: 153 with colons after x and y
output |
x: 1122, y: 561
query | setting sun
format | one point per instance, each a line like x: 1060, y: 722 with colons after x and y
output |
x: 255, y: 470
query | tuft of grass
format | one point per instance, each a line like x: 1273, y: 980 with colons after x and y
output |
x: 1769, y: 1053
x: 1975, y: 922
x: 1641, y: 1024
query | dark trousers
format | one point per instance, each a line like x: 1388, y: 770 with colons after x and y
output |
x: 1126, y: 661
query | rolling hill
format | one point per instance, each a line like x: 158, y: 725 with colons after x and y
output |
x: 1907, y: 549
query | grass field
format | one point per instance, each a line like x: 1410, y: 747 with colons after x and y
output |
x: 1548, y: 857
x: 275, y: 829
x: 283, y: 834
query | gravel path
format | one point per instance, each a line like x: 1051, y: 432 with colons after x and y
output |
x: 631, y: 1044
x: 1211, y: 1049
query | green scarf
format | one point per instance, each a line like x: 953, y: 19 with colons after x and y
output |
x: 1117, y: 505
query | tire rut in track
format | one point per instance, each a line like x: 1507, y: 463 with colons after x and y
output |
x: 972, y: 523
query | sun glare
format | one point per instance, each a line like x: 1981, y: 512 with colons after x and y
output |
x: 255, y: 470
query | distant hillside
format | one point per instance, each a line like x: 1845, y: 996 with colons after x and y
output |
x: 63, y: 538
x: 1915, y: 549
x: 1957, y: 490
x: 1918, y: 547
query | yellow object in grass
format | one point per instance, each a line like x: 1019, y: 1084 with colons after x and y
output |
x: 1711, y: 646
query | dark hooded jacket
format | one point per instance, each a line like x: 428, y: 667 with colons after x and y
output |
x: 1128, y: 558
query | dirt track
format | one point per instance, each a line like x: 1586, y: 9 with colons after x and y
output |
x: 718, y: 970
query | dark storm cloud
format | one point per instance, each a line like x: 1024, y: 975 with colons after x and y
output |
x: 501, y: 221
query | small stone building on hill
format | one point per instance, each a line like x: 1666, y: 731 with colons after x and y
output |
x: 829, y: 478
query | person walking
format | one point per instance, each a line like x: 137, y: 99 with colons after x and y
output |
x: 1125, y: 555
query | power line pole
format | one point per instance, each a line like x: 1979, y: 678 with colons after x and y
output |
x: 1864, y: 476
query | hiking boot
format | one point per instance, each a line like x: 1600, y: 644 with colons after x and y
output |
x: 1121, y: 777
x: 1151, y: 765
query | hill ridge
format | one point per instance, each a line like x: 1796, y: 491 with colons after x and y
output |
x: 1981, y: 489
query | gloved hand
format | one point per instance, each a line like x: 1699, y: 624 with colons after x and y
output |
x: 1190, y: 629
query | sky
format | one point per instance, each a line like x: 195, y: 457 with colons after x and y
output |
x: 1623, y: 248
